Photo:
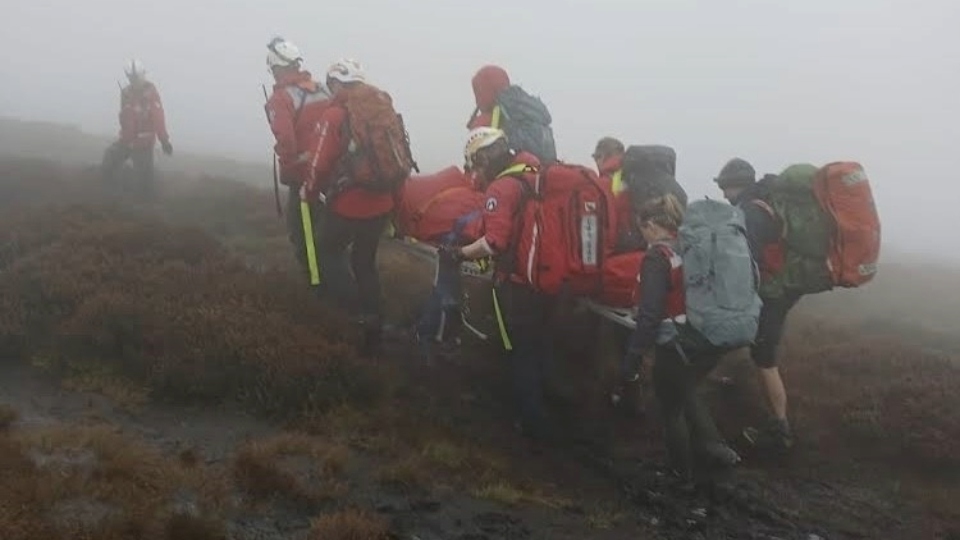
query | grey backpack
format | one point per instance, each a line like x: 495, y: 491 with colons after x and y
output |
x: 720, y: 278
x: 526, y: 121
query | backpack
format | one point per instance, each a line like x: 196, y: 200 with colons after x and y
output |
x: 719, y: 275
x: 378, y: 156
x: 567, y: 226
x: 843, y: 191
x: 806, y: 232
x: 430, y: 205
x: 619, y: 281
x: 649, y: 171
x: 526, y: 121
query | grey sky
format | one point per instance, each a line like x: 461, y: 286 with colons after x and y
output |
x: 775, y: 82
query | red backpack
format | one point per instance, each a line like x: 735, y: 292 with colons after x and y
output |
x: 379, y: 157
x: 431, y: 204
x: 620, y: 273
x: 843, y: 191
x: 567, y: 228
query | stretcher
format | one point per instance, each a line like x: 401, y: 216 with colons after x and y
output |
x: 475, y: 271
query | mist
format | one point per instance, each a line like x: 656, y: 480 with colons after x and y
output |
x: 773, y: 82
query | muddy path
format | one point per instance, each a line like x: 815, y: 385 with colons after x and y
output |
x: 610, y: 488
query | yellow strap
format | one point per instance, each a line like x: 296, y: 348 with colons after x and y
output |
x: 617, y: 182
x: 503, y: 327
x: 515, y: 169
x: 495, y: 118
x: 308, y: 240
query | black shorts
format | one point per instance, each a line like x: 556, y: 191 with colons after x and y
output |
x: 773, y: 317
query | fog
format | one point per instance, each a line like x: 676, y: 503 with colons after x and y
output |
x: 773, y: 82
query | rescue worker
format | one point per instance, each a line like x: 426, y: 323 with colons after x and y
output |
x: 488, y: 82
x: 354, y: 215
x: 521, y: 310
x: 738, y: 181
x: 608, y: 156
x: 691, y: 437
x: 293, y: 111
x: 142, y: 122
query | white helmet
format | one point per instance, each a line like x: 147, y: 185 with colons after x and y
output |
x: 346, y: 71
x: 480, y: 138
x: 282, y: 53
x: 135, y: 70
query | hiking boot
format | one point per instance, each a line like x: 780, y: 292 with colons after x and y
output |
x: 775, y: 436
x: 719, y: 454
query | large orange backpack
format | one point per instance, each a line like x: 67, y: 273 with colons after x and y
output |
x: 843, y: 191
x: 378, y: 155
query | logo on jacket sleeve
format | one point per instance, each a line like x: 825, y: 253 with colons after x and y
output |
x: 491, y: 204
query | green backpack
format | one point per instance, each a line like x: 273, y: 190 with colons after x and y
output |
x: 807, y: 232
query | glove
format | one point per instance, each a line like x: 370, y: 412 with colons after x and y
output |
x: 450, y: 253
x: 167, y: 147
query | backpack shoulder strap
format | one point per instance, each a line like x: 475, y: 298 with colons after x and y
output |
x: 771, y: 212
x: 299, y: 95
x: 508, y: 263
x: 765, y: 206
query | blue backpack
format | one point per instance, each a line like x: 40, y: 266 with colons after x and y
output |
x: 720, y: 277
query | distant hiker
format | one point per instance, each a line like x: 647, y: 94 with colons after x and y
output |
x: 362, y: 160
x: 142, y: 122
x: 294, y: 110
x: 810, y: 229
x: 608, y: 156
x: 522, y: 312
x: 676, y: 316
x: 523, y: 117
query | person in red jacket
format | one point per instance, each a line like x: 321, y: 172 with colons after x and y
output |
x: 354, y: 214
x: 521, y: 311
x: 488, y: 82
x: 142, y: 122
x: 608, y: 156
x: 294, y: 110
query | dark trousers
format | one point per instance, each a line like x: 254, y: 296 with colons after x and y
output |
x: 295, y: 230
x: 361, y: 290
x: 688, y: 424
x: 773, y: 318
x: 117, y: 154
x: 525, y: 314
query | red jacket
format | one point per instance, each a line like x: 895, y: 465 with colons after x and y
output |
x: 488, y: 82
x: 141, y: 116
x: 352, y: 202
x: 503, y: 206
x: 294, y: 111
x: 611, y: 171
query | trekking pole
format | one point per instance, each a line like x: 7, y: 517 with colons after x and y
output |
x: 276, y: 174
x: 305, y: 218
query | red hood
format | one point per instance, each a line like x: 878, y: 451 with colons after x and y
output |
x: 299, y: 78
x: 487, y: 83
x: 611, y: 165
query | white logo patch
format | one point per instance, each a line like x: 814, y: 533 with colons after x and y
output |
x: 491, y: 204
